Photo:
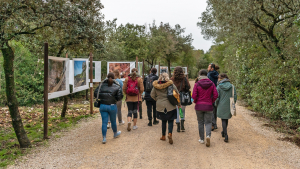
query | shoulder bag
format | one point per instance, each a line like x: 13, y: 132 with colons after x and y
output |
x: 97, y: 102
x: 232, y: 103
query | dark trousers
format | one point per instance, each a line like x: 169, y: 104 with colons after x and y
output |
x: 214, y: 117
x: 225, y: 125
x: 141, y: 108
x: 164, y: 126
x: 151, y: 105
x: 132, y: 109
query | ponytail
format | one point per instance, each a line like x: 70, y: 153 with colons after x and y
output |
x: 110, y: 77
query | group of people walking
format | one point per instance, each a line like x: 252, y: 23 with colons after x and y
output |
x: 211, y: 95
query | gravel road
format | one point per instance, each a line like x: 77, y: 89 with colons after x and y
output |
x: 250, y: 146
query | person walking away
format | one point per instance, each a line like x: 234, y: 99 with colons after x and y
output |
x: 110, y: 93
x: 179, y: 79
x: 204, y: 95
x: 133, y: 87
x: 223, y: 102
x: 150, y: 102
x: 166, y: 112
x: 213, y: 76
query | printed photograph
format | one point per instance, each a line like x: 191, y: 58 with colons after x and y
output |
x: 56, y: 75
x: 124, y: 68
x: 79, y: 73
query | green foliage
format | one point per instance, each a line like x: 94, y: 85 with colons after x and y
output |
x: 256, y: 45
x: 29, y: 77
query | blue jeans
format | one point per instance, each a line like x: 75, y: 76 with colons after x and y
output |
x: 108, y: 111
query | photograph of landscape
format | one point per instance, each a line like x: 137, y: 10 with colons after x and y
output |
x: 79, y: 73
x: 56, y: 75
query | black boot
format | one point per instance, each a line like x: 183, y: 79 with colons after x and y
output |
x: 150, y: 123
x: 223, y: 135
x: 178, y: 127
x: 226, y: 138
x: 155, y: 122
x: 182, y: 125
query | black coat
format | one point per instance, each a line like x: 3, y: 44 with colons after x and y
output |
x: 147, y: 94
x: 213, y: 76
x: 109, y: 94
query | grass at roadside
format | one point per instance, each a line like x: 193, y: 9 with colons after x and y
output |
x: 33, y: 123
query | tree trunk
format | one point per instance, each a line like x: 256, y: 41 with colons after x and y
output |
x: 65, y: 107
x: 12, y: 101
x: 169, y: 68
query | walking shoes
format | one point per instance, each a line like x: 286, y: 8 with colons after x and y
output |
x: 207, y: 141
x: 163, y: 138
x: 170, y: 138
x: 128, y: 127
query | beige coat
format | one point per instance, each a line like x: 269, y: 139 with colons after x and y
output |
x: 140, y: 86
x: 159, y: 94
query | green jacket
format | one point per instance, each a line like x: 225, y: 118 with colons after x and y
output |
x: 223, y: 102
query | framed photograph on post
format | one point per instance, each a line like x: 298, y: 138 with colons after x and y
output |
x: 58, y: 77
x: 96, y: 71
x: 185, y: 70
x: 123, y: 67
x: 81, y: 74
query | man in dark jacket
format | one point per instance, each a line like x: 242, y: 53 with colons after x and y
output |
x: 151, y: 104
x: 213, y: 75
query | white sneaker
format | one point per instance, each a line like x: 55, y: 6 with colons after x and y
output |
x: 201, y: 141
x: 121, y: 123
x: 134, y: 127
x: 108, y: 125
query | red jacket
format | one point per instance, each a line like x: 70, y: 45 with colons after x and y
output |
x: 204, y: 95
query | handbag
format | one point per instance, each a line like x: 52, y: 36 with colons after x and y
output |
x: 97, y: 102
x: 172, y: 96
x: 185, y: 96
x: 232, y: 103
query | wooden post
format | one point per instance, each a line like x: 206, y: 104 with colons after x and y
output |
x: 46, y: 91
x: 158, y: 69
x: 143, y: 69
x: 91, y: 84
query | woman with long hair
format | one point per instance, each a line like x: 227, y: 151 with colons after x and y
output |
x: 182, y: 84
x: 110, y: 92
x: 133, y: 87
x: 223, y: 102
x: 204, y: 95
x: 166, y: 112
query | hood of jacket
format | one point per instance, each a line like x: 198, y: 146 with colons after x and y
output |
x: 224, y: 80
x: 162, y: 86
x: 202, y: 77
x: 225, y: 85
x: 205, y: 83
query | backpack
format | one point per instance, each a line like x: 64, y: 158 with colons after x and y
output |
x: 172, y: 96
x: 149, y: 83
x: 132, y: 87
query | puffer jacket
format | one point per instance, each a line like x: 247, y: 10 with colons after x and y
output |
x: 204, y: 94
x: 159, y: 94
x: 213, y: 76
x: 147, y: 94
x: 109, y: 94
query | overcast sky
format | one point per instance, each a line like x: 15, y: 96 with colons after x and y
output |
x: 185, y: 13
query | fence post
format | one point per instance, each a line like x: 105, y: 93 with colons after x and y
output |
x: 46, y: 90
x: 91, y: 83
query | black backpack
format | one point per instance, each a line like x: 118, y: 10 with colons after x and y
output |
x: 149, y: 83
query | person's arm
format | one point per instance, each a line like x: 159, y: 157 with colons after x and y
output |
x: 141, y: 85
x: 235, y: 95
x: 218, y: 99
x: 215, y: 93
x: 119, y: 94
x: 195, y: 93
x: 125, y: 85
x: 153, y: 94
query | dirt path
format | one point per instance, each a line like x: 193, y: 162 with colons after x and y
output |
x: 250, y: 146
